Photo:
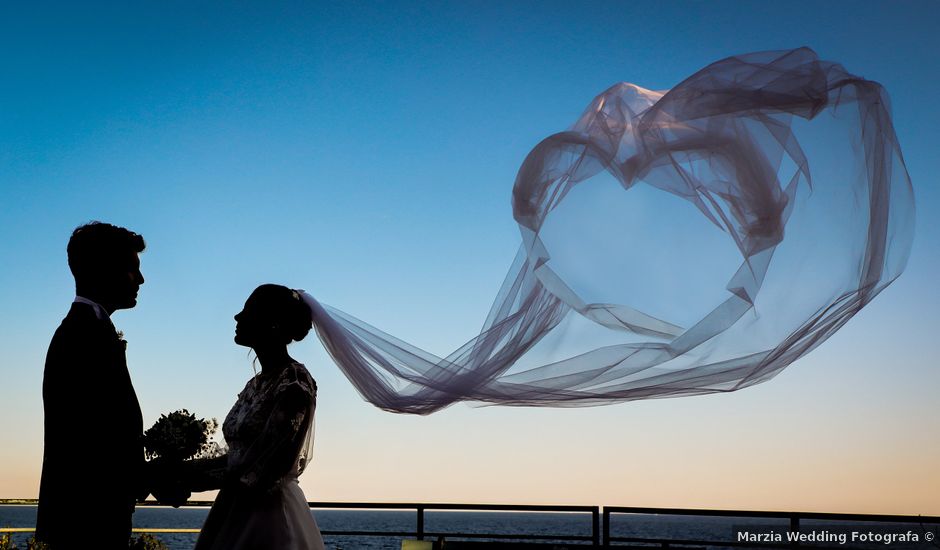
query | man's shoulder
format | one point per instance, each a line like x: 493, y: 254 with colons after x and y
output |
x: 80, y: 318
x: 79, y: 327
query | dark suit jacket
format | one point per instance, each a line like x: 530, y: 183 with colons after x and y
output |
x: 92, y: 470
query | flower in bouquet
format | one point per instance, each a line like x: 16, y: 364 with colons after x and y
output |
x: 180, y: 436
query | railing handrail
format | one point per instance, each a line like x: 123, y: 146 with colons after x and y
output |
x: 839, y: 516
x: 899, y: 518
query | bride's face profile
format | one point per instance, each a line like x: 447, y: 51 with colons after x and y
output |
x: 273, y: 316
x: 254, y: 324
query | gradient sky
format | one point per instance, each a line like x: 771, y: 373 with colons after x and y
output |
x: 366, y: 152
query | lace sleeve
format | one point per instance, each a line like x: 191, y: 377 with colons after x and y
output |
x: 282, y: 446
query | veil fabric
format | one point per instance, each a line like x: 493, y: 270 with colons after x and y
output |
x: 789, y: 160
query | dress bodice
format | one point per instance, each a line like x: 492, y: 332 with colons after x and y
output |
x: 269, y: 430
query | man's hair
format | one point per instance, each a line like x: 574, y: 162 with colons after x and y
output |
x: 98, y: 245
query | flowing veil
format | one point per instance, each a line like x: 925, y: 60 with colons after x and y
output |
x: 793, y: 161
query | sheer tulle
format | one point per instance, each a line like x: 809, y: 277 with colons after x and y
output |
x: 791, y: 160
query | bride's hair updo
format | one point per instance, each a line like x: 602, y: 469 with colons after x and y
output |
x: 287, y: 309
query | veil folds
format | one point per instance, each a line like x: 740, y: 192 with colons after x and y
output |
x: 791, y: 162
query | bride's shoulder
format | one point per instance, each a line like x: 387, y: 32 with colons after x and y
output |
x: 250, y: 386
x: 298, y: 375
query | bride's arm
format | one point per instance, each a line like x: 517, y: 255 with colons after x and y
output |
x: 174, y: 483
x: 206, y: 474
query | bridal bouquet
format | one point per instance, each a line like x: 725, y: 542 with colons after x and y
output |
x: 174, y: 447
x: 180, y: 436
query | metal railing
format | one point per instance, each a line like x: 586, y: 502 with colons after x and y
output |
x: 600, y: 523
x: 420, y: 509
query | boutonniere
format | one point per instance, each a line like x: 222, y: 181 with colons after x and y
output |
x: 120, y: 337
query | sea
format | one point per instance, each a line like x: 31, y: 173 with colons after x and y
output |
x: 828, y: 534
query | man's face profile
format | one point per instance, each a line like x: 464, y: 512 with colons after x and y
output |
x: 119, y: 281
x: 127, y: 281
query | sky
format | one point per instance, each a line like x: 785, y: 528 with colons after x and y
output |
x: 366, y: 152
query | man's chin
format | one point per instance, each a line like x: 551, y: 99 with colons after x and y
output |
x: 128, y: 304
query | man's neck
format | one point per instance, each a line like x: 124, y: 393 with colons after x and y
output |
x: 98, y: 298
x: 100, y: 311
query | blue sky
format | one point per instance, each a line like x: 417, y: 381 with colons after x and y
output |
x: 366, y: 152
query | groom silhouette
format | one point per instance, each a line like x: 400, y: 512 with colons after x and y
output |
x: 93, y: 460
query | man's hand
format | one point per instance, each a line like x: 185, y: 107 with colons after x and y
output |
x: 173, y: 494
x: 168, y: 484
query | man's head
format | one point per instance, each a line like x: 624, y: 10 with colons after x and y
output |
x: 103, y: 259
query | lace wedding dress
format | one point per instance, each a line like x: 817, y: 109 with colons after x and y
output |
x: 269, y: 433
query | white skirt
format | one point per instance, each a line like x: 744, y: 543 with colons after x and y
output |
x: 242, y: 520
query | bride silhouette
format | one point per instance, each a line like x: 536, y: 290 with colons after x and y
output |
x: 269, y: 433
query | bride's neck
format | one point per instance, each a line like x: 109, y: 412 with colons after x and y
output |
x: 273, y: 359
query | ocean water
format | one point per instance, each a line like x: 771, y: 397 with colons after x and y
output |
x: 548, y: 524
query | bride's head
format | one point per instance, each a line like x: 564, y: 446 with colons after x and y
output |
x: 273, y: 315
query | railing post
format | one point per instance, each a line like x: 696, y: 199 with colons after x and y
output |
x: 606, y: 527
x: 420, y: 522
x: 595, y: 526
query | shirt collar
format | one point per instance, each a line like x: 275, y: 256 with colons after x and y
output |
x: 100, y: 312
